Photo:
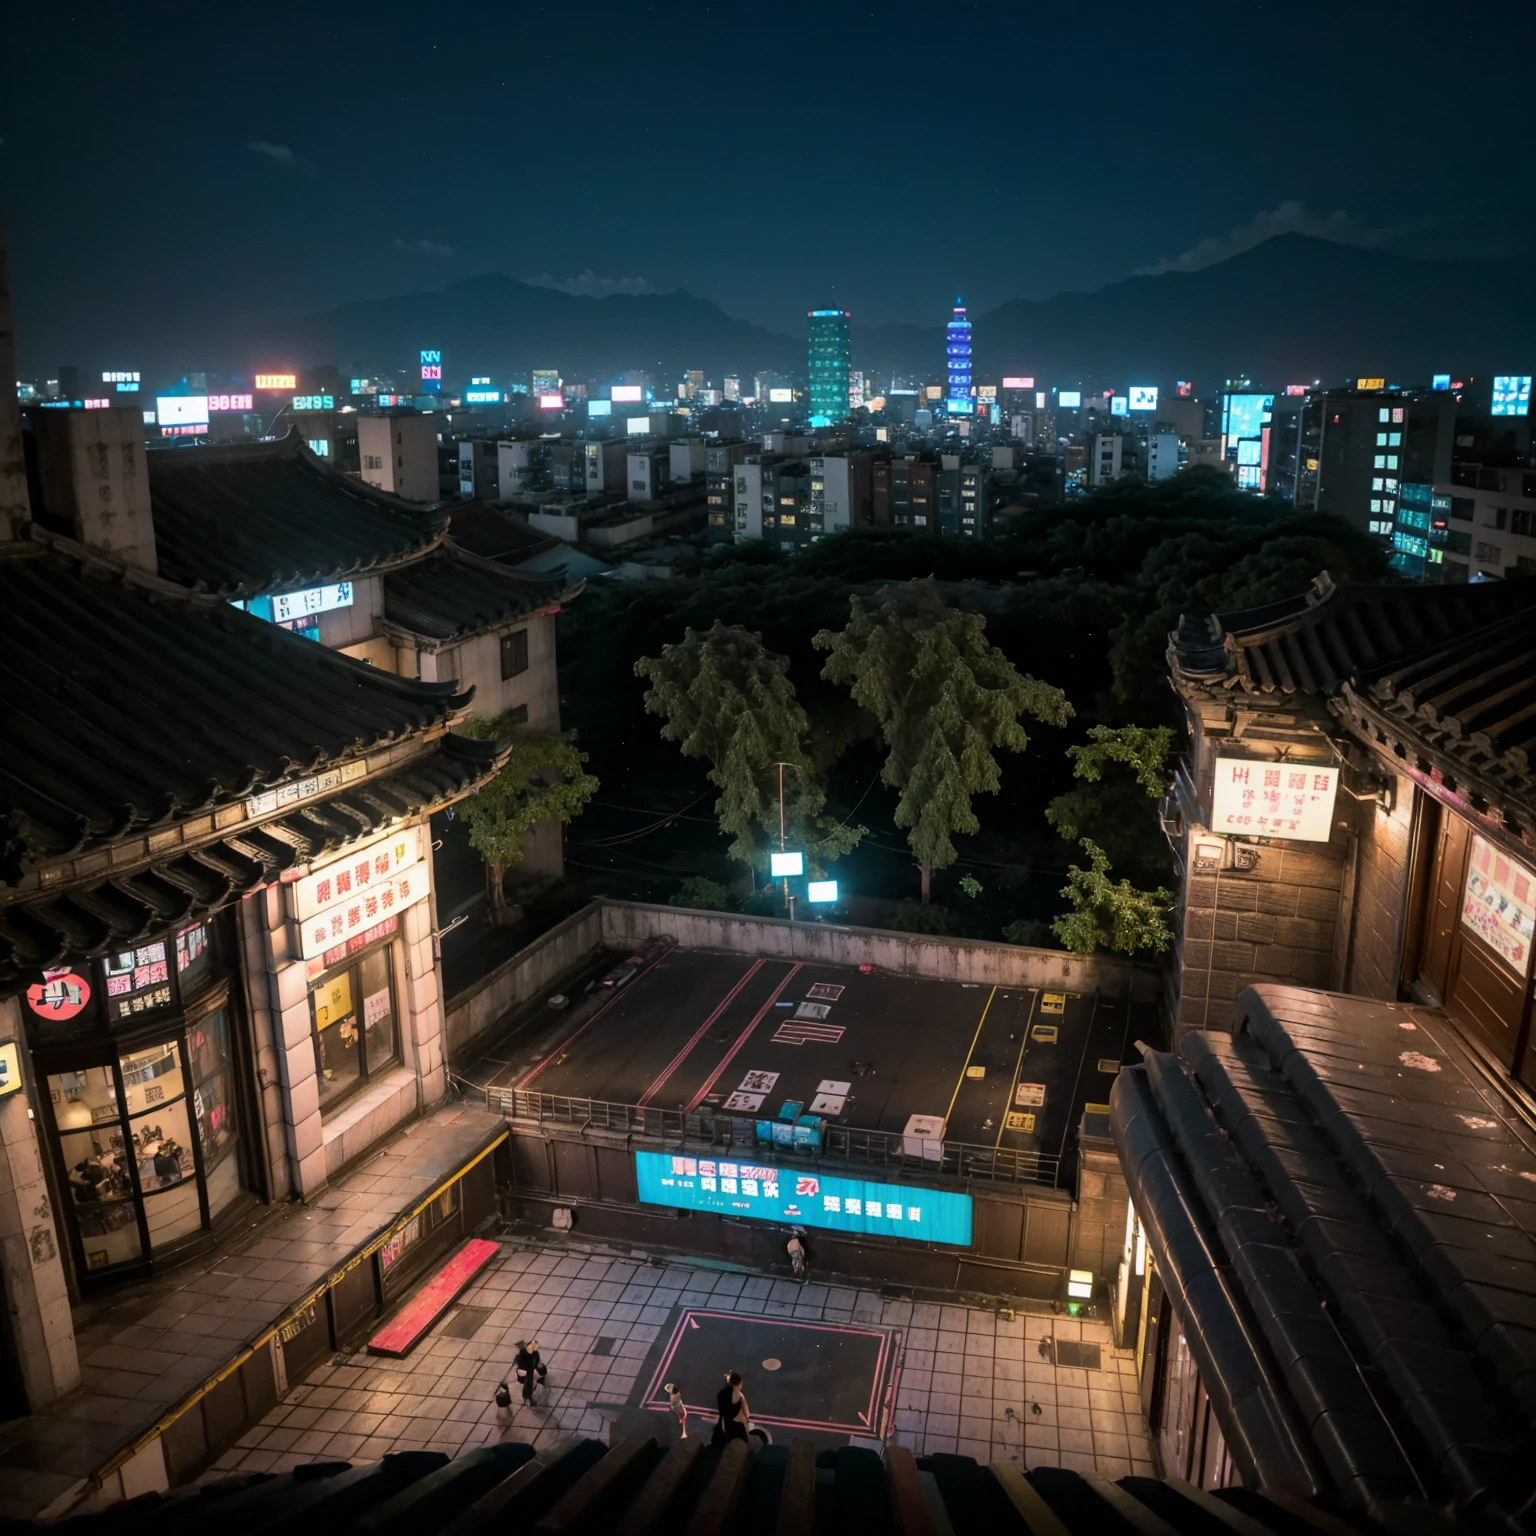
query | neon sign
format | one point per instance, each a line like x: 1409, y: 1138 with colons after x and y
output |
x: 280, y: 381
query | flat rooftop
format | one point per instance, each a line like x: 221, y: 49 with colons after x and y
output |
x: 702, y: 1031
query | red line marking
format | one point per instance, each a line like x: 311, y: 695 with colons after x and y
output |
x: 742, y: 1039
x: 565, y: 1045
x: 409, y: 1326
x: 703, y: 1029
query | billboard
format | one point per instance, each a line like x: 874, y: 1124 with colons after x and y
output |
x: 637, y: 426
x: 314, y: 402
x: 551, y: 402
x: 599, y: 408
x: 959, y: 407
x: 432, y: 357
x: 100, y: 403
x: 1119, y: 405
x: 1370, y: 384
x: 181, y: 410
x: 1143, y: 397
x: 120, y: 377
x: 1244, y: 415
x: 1269, y: 799
x: 1018, y: 383
x: 1069, y: 399
x: 231, y: 402
x: 1511, y: 394
x: 767, y: 1192
x: 1441, y: 381
x: 279, y: 381
x: 482, y: 397
x: 781, y: 396
x: 626, y: 394
x: 1184, y: 389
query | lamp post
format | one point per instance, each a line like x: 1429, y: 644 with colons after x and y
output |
x: 785, y: 858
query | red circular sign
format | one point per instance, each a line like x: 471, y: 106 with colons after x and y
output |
x: 60, y: 995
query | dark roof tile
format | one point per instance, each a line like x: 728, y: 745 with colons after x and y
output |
x: 451, y: 593
x: 256, y: 518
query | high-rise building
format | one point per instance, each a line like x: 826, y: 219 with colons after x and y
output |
x: 831, y: 352
x: 957, y: 350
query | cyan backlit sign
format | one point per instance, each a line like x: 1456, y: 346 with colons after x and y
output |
x: 736, y: 1188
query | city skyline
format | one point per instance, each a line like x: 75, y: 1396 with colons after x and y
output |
x: 329, y: 183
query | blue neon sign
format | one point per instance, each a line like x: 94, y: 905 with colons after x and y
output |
x: 741, y: 1188
x: 482, y: 397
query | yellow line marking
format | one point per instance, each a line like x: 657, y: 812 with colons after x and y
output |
x: 974, y: 1038
x: 1018, y: 1068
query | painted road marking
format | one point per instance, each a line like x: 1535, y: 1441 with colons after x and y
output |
x: 1018, y: 1068
x: 741, y: 1040
x: 1015, y: 1121
x: 794, y: 1033
x: 1045, y: 1034
x: 1030, y: 1095
x: 965, y: 1070
x: 703, y: 1029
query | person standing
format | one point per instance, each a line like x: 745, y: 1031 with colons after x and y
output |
x: 678, y: 1407
x: 531, y: 1371
x: 731, y: 1402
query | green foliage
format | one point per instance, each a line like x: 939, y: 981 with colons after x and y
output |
x: 928, y: 917
x: 1141, y: 748
x: 544, y: 780
x: 1031, y: 933
x: 1108, y: 914
x: 945, y: 700
x: 703, y: 893
x: 727, y: 699
x: 971, y: 886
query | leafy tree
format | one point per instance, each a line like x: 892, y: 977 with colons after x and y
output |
x: 929, y: 918
x: 543, y: 781
x: 1030, y: 932
x: 701, y: 892
x: 1115, y: 806
x: 1143, y: 749
x: 1107, y: 914
x: 945, y: 700
x: 727, y: 699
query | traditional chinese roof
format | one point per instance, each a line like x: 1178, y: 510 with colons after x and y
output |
x: 493, y: 534
x: 1463, y: 710
x: 255, y: 518
x: 1309, y: 644
x: 452, y: 593
x: 1343, y: 1210
x: 131, y: 705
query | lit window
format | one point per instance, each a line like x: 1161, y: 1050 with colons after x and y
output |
x: 1381, y: 439
x: 1385, y: 414
x: 1377, y: 483
x: 1391, y: 461
x: 1397, y: 415
x: 1381, y: 461
x: 1397, y: 440
x: 1376, y: 504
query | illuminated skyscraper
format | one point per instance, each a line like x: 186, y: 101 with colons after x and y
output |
x: 830, y: 356
x: 958, y: 351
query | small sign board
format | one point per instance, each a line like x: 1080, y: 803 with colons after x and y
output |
x: 1044, y: 1034
x: 1017, y: 1120
x: 1030, y: 1095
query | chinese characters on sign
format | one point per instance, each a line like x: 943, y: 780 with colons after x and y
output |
x: 138, y: 980
x: 352, y: 895
x: 1258, y: 799
x: 812, y: 1199
x: 1499, y: 904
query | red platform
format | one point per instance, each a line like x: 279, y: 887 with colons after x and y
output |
x: 406, y: 1329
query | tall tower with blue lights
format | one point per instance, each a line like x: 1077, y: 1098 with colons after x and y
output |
x: 831, y: 354
x: 957, y: 349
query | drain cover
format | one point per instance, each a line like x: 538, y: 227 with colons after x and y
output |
x: 604, y: 1346
x: 466, y: 1322
x: 1082, y: 1357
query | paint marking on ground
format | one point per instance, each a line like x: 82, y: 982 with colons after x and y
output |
x: 964, y: 1070
x: 801, y: 1033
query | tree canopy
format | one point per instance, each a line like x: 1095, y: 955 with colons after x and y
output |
x: 726, y: 698
x: 945, y: 699
x: 544, y: 780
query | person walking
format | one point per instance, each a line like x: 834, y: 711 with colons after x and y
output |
x: 678, y: 1407
x: 503, y: 1400
x: 796, y: 1249
x: 731, y: 1403
x: 530, y: 1370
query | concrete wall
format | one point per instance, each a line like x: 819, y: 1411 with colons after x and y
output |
x: 35, y: 1290
x: 629, y: 925
x: 530, y: 974
x: 93, y: 470
x: 1380, y: 894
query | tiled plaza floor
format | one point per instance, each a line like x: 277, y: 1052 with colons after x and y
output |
x: 969, y: 1383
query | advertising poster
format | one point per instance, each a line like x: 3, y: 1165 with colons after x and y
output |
x: 1499, y: 904
x: 737, y: 1187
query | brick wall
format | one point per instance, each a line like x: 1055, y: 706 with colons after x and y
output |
x: 1380, y: 895
x: 1274, y: 922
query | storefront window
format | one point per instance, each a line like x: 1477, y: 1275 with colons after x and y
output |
x: 213, y: 1105
x: 353, y: 1014
x: 90, y: 1125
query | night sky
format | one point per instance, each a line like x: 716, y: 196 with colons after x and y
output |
x: 180, y: 158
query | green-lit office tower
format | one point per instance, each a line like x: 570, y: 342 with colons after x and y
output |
x: 831, y: 354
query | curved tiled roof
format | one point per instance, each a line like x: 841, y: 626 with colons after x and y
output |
x: 451, y: 593
x: 1313, y: 642
x: 136, y: 905
x: 129, y: 705
x: 255, y: 518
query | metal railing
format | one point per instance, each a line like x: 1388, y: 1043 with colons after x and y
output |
x: 845, y: 1146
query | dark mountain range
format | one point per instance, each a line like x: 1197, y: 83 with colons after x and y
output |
x: 1291, y: 309
x: 494, y: 324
